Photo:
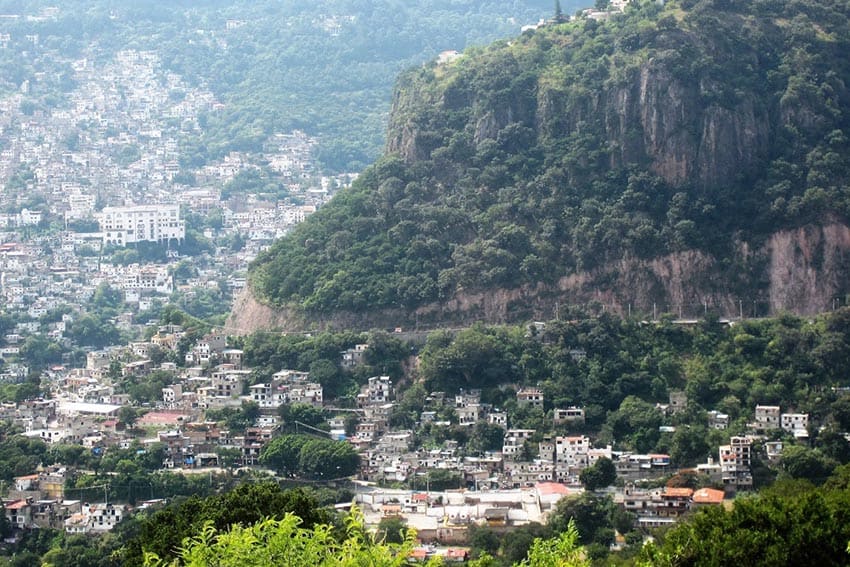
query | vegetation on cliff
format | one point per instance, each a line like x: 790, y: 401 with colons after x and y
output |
x: 690, y: 126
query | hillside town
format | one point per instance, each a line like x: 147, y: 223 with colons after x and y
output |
x: 99, y: 201
x: 120, y: 255
x: 102, y: 172
x: 519, y: 484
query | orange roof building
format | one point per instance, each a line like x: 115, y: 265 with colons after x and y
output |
x: 677, y: 493
x: 708, y: 496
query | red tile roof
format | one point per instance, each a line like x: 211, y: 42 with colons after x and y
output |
x: 548, y: 488
x: 708, y: 496
x: 17, y: 505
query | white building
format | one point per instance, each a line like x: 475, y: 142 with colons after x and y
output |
x: 735, y: 460
x: 568, y: 415
x: 144, y: 223
x: 796, y: 423
x: 148, y: 278
x: 94, y: 518
x: 377, y: 392
x: 571, y: 453
x: 29, y: 218
x: 767, y: 417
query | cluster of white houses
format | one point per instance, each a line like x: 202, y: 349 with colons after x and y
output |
x: 38, y: 500
x: 85, y: 407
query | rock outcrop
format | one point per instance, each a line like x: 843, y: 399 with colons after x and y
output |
x: 797, y: 270
x: 674, y: 159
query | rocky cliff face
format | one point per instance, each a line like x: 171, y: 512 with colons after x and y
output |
x: 652, y: 118
x: 683, y: 139
x: 669, y: 160
x: 798, y: 270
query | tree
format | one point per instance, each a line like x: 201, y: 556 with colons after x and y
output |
x: 386, y: 354
x: 443, y: 479
x: 285, y: 542
x: 560, y: 551
x: 228, y: 457
x: 804, y: 463
x: 559, y: 13
x: 791, y: 523
x: 162, y: 532
x: 486, y: 437
x: 38, y: 352
x: 92, y: 331
x: 128, y: 416
x: 300, y: 413
x: 310, y: 457
x: 392, y: 530
x: 517, y: 542
x: 5, y: 524
x: 592, y: 515
x: 689, y: 445
x: 636, y: 423
x: 106, y: 298
x: 324, y: 459
x: 834, y: 445
x: 603, y: 473
x: 328, y: 374
x: 482, y: 539
x: 282, y: 453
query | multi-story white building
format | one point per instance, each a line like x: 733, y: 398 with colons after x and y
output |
x: 514, y: 441
x: 571, y: 452
x: 150, y: 278
x: 568, y: 415
x: 767, y: 417
x: 377, y: 392
x: 735, y: 461
x: 143, y: 223
x: 94, y: 518
x: 530, y: 397
x: 796, y: 423
x: 354, y: 356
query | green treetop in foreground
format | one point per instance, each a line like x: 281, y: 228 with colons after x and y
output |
x: 285, y: 542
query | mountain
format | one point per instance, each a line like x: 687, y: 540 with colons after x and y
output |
x: 274, y: 66
x: 684, y: 158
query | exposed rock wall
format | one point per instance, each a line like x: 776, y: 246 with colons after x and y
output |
x: 653, y: 117
x: 801, y: 271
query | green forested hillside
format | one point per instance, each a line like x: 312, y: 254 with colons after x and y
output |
x: 323, y: 67
x: 701, y: 125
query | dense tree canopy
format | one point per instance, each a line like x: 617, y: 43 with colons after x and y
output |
x: 789, y: 524
x: 163, y: 532
x: 310, y: 457
x: 323, y: 67
x: 515, y: 166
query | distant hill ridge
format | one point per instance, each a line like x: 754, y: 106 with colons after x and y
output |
x: 686, y: 157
